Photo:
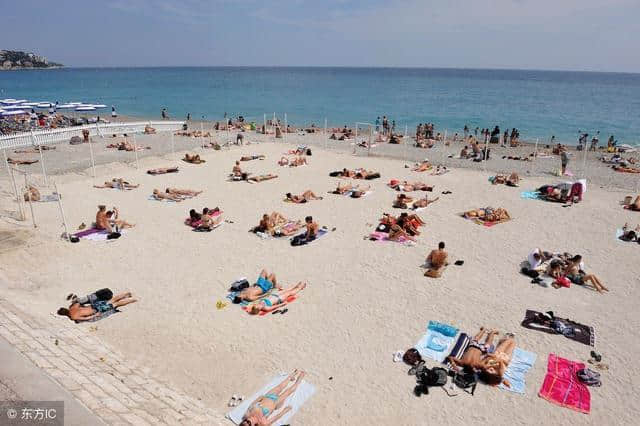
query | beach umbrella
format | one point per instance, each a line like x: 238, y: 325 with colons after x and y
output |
x: 65, y: 106
x: 13, y: 112
x: 43, y: 105
x: 9, y: 107
x: 13, y: 101
x: 84, y: 108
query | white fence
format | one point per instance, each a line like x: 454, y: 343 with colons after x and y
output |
x: 52, y: 136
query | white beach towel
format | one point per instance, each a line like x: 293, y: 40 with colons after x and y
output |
x: 302, y: 394
x: 101, y: 236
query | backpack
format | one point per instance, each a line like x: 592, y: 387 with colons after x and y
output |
x: 412, y: 357
x: 437, y: 376
x: 466, y: 380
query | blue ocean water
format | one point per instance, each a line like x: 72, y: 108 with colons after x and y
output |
x: 539, y: 103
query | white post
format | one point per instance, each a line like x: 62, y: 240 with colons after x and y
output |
x: 44, y: 172
x: 18, y: 199
x: 135, y: 150
x: 64, y: 219
x: 93, y: 163
x: 535, y: 156
x: 173, y: 148
x: 6, y: 161
x: 33, y: 216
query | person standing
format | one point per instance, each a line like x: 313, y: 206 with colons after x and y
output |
x: 564, y: 159
x: 466, y: 131
x: 594, y: 142
x: 113, y: 112
x: 188, y: 116
x: 163, y: 113
x: 378, y: 124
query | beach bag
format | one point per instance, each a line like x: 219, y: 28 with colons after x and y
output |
x: 436, y: 376
x: 563, y: 282
x: 412, y: 357
x: 113, y: 236
x: 298, y: 240
x: 466, y: 380
x: 239, y: 285
x: 589, y: 377
x: 335, y: 174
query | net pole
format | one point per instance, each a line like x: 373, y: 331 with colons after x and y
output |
x: 93, y: 163
x: 6, y: 161
x: 33, y: 216
x: 135, y: 150
x: 64, y: 219
x: 173, y: 148
x: 15, y: 189
x: 44, y: 171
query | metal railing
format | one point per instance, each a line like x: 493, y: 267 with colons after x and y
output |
x: 52, y: 136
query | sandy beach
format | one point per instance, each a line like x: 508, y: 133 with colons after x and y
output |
x: 364, y: 300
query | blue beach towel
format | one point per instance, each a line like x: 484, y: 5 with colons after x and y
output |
x: 521, y: 363
x: 436, y: 342
x: 530, y: 195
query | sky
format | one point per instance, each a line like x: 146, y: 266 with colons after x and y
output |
x: 591, y: 35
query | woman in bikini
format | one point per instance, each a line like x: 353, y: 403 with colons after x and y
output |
x: 259, y: 411
x: 262, y: 177
x: 159, y: 195
x: 118, y: 183
x: 488, y: 214
x: 575, y: 275
x: 512, y: 180
x: 275, y: 301
x: 494, y: 365
x: 306, y: 196
x: 472, y: 357
x: 635, y: 206
x: 422, y: 167
x: 183, y: 192
x: 193, y: 158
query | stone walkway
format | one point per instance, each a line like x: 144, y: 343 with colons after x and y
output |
x: 99, y: 378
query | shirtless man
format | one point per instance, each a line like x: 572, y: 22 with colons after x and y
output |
x: 159, y: 195
x: 262, y: 177
x: 183, y: 192
x: 32, y: 194
x: 437, y: 261
x: 402, y: 201
x: 117, y: 183
x: 423, y: 202
x: 472, y: 357
x: 102, y: 221
x: 236, y: 171
x: 635, y: 206
x: 265, y: 283
x: 77, y: 312
x: 422, y: 167
x: 312, y: 229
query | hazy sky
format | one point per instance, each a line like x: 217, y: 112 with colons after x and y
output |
x: 600, y: 35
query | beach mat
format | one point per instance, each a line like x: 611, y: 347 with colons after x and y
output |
x: 49, y: 198
x: 521, y: 363
x: 383, y: 236
x: 295, y: 401
x: 562, y: 387
x: 152, y: 198
x: 437, y: 340
x: 530, y: 195
x: 93, y: 234
x: 321, y: 233
x: 534, y: 320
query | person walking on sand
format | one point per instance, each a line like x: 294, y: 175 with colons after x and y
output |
x: 114, y: 114
x: 564, y: 160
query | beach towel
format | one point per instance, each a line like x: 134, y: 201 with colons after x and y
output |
x: 321, y: 233
x: 530, y: 195
x: 580, y: 333
x: 484, y: 222
x: 521, y: 363
x: 49, y: 198
x: 302, y: 394
x: 458, y: 349
x: 96, y: 234
x: 152, y: 198
x: 562, y: 387
x: 384, y: 236
x: 619, y: 233
x: 436, y: 342
x: 245, y: 306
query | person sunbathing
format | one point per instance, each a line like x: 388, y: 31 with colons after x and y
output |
x: 423, y: 202
x: 488, y: 214
x: 98, y: 308
x: 298, y: 161
x: 408, y: 186
x: 262, y: 177
x: 635, y: 206
x: 512, y: 180
x: 625, y: 169
x: 122, y: 146
x: 193, y: 158
x: 183, y: 192
x: 276, y: 224
x: 236, y: 171
x: 252, y: 157
x: 265, y: 283
x: 573, y: 272
x: 440, y: 170
x: 402, y: 201
x: 437, y: 262
x: 494, y: 364
x: 276, y: 300
x: 102, y: 221
x: 630, y: 235
x: 366, y: 174
x: 284, y: 161
x: 163, y: 170
x: 19, y: 161
x: 306, y: 196
x: 209, y: 221
x: 32, y: 194
x: 473, y: 356
x: 355, y: 191
x: 118, y: 183
x: 409, y: 223
x: 341, y: 190
x: 259, y: 411
x: 464, y: 154
x: 159, y: 195
x: 113, y: 217
x: 422, y: 167
x: 149, y: 130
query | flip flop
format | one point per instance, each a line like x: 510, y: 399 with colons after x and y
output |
x: 596, y: 356
x: 284, y: 311
x: 232, y: 401
x: 397, y: 356
x: 277, y: 311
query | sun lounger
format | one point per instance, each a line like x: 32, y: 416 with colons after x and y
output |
x: 436, y: 342
x: 521, y: 363
x: 301, y: 395
x: 562, y: 387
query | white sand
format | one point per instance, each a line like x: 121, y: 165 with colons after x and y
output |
x: 364, y: 300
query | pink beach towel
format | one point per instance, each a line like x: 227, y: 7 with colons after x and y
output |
x: 383, y: 236
x: 561, y: 385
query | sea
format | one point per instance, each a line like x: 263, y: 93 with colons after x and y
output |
x: 541, y: 104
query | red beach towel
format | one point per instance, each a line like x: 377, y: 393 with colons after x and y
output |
x: 562, y: 387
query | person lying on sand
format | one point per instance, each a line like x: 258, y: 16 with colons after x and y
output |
x: 149, y: 130
x: 573, y: 272
x: 437, y: 262
x: 306, y: 196
x: 159, y: 195
x: 32, y: 194
x: 123, y: 146
x: 252, y: 157
x: 625, y: 169
x: 193, y: 158
x: 261, y: 177
x: 183, y: 192
x: 564, y: 192
x: 479, y: 346
x: 366, y: 174
x: 275, y: 224
x: 630, y: 235
x: 356, y: 191
x: 635, y: 206
x: 265, y: 283
x: 19, y: 161
x: 259, y: 411
x: 422, y: 167
x: 78, y: 312
x: 117, y: 183
x: 409, y: 186
x: 423, y: 202
x: 440, y: 170
x: 402, y: 201
x: 35, y: 150
x: 488, y: 214
x: 163, y: 170
x: 209, y: 221
x: 276, y: 300
x: 113, y: 217
x: 512, y: 180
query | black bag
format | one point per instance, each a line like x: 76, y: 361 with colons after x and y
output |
x: 113, y: 236
x: 299, y: 240
x: 412, y: 357
x: 466, y: 380
x: 437, y: 376
x: 335, y: 174
x: 239, y: 285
